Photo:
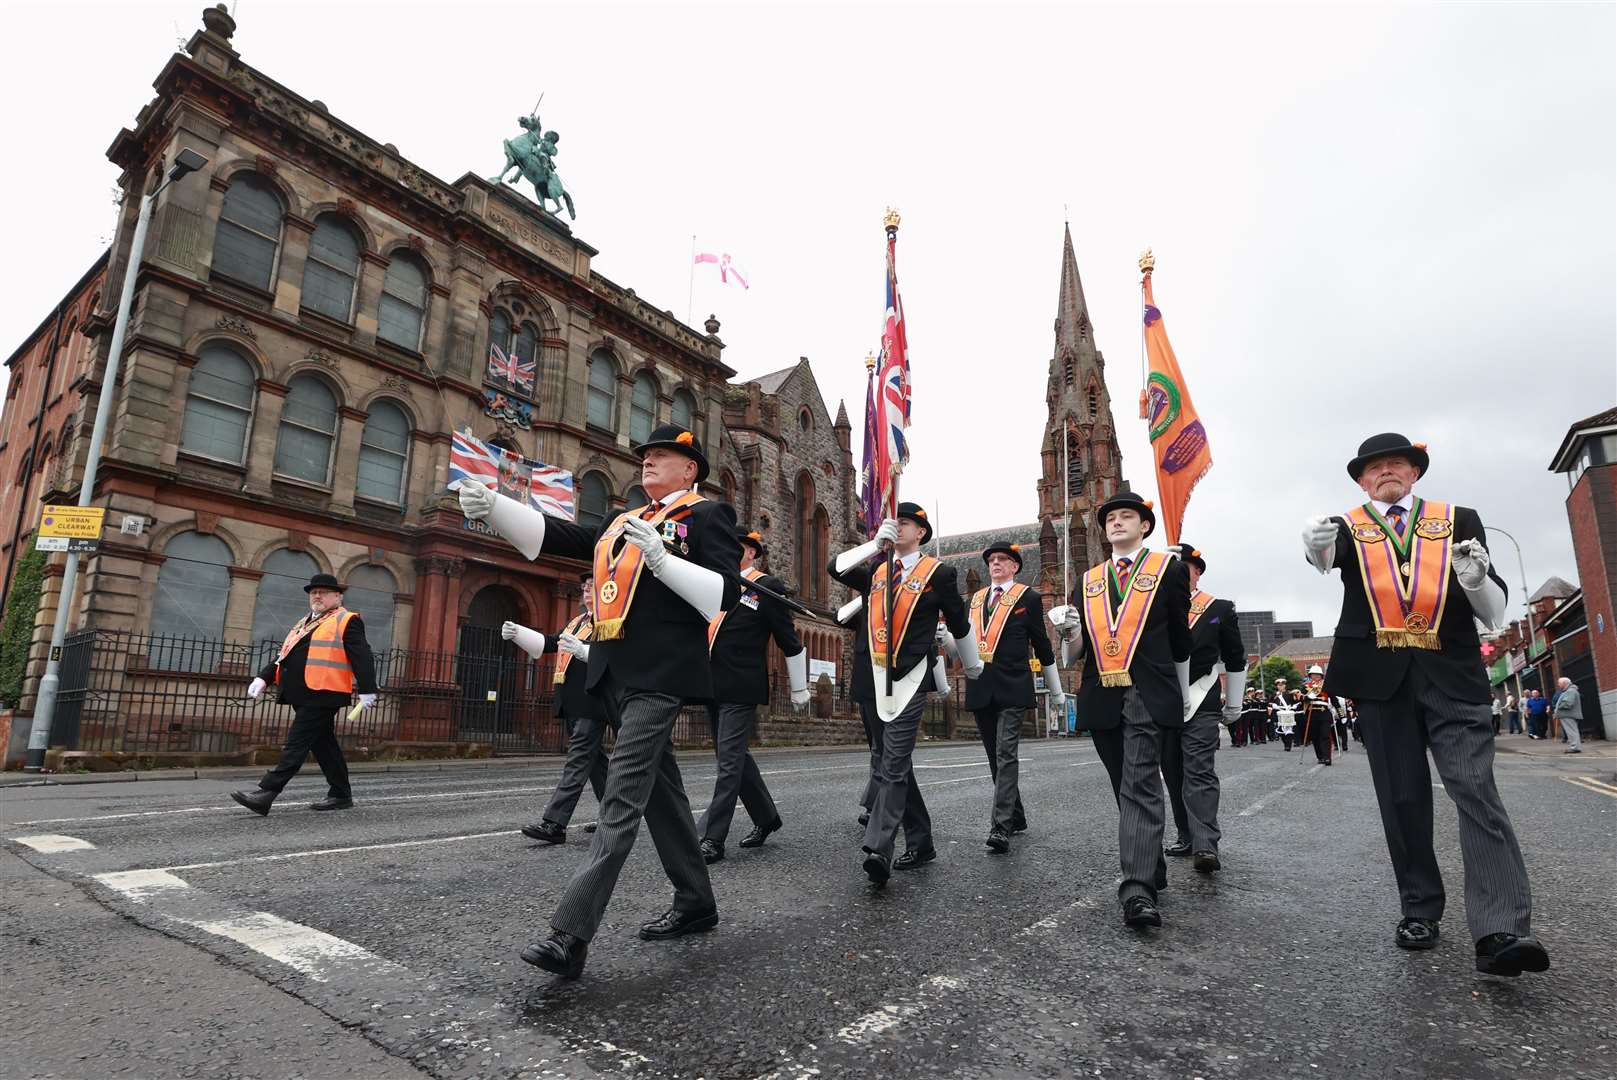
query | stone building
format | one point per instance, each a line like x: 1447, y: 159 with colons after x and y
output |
x: 964, y: 552
x: 312, y: 320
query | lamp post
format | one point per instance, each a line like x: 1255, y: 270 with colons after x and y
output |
x: 187, y: 161
x: 1532, y: 634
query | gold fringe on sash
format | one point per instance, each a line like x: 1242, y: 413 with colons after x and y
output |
x: 609, y: 629
x: 1116, y: 678
x: 1403, y: 639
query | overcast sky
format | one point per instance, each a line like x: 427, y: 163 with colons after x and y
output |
x: 1364, y: 218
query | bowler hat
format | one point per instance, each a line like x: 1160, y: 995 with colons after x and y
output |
x: 675, y: 438
x: 1388, y: 444
x: 915, y: 513
x: 753, y: 539
x: 324, y: 581
x: 1005, y: 547
x: 1127, y: 500
x: 1189, y: 554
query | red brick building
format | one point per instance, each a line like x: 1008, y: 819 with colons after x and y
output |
x: 1588, y: 457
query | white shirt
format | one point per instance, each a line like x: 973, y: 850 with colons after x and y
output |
x: 666, y: 499
x: 1407, y: 502
x: 1132, y: 555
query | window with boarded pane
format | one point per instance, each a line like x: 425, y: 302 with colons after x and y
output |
x: 308, y: 430
x: 370, y: 596
x: 219, y: 405
x: 333, y: 268
x: 591, y: 500
x: 603, y: 390
x: 193, y: 588
x: 384, y: 454
x: 281, y: 600
x: 402, y: 310
x: 684, y: 414
x: 642, y: 407
x: 249, y: 231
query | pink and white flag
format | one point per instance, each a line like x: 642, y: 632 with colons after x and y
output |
x: 728, y: 271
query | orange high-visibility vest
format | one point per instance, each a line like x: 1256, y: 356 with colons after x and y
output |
x: 327, y: 666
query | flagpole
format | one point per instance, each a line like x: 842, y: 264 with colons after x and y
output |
x: 690, y: 284
x: 1066, y: 517
x: 890, y: 223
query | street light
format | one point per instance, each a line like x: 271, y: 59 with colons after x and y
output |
x: 187, y: 161
x: 1527, y: 602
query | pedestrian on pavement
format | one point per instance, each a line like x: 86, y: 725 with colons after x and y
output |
x: 586, y: 731
x: 1130, y: 626
x: 739, y: 653
x: 1498, y: 711
x: 1569, y: 711
x: 922, y: 588
x: 316, y: 670
x: 1188, y: 751
x: 662, y: 572
x: 1416, y: 579
x: 1537, y: 715
x: 1007, y: 619
x: 1512, y: 714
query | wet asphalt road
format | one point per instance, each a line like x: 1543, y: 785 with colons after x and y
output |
x: 383, y: 941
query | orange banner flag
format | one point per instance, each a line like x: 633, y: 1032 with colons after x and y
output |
x: 1178, y: 440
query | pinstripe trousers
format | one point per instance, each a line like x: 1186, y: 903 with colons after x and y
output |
x: 1397, y: 734
x: 642, y: 780
x: 898, y: 800
x: 1139, y: 802
x: 586, y: 759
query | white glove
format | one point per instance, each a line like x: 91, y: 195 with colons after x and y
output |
x: 366, y: 701
x: 508, y: 630
x: 800, y: 698
x: 1070, y: 623
x: 1319, y: 533
x: 887, y: 533
x: 573, y: 647
x: 1052, y: 679
x: 255, y: 688
x: 1470, y: 563
x: 529, y: 641
x: 522, y: 526
x: 971, y: 661
x: 650, y: 542
x: 476, y: 500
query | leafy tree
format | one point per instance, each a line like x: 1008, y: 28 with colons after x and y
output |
x: 1274, y: 667
x: 17, y: 632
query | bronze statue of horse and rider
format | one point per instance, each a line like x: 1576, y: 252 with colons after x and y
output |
x: 533, y: 155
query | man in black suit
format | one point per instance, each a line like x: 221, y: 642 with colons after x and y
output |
x: 586, y: 732
x: 1416, y: 577
x: 1131, y: 623
x: 1188, y: 751
x: 862, y: 693
x: 739, y: 656
x: 923, y: 588
x: 318, y: 667
x: 662, y: 572
x: 1008, y: 620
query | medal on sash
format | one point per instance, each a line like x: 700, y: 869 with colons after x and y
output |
x: 1406, y: 579
x: 909, y: 592
x: 618, y: 564
x: 751, y: 573
x: 1115, y: 635
x: 580, y: 628
x: 988, y: 637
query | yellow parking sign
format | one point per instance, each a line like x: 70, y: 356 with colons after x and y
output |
x: 70, y: 528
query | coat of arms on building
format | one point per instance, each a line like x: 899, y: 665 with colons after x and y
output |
x: 507, y: 409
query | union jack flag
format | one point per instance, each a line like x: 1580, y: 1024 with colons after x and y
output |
x: 887, y: 417
x: 540, y: 486
x: 511, y: 369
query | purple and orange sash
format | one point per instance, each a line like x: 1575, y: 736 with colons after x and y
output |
x: 988, y: 636
x: 1199, y: 603
x: 751, y: 573
x: 1116, y: 635
x: 618, y: 563
x: 909, y: 593
x: 1406, y: 578
x: 580, y: 628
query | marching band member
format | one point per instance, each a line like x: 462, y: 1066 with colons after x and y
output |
x: 1319, y: 715
x: 1283, y: 708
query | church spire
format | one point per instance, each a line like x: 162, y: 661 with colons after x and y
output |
x: 1072, y: 313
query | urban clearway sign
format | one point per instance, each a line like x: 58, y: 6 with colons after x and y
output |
x: 70, y: 528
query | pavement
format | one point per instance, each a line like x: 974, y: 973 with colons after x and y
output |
x: 159, y: 930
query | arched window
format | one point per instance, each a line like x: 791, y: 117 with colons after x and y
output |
x: 591, y: 500
x: 308, y: 430
x: 281, y: 600
x: 1066, y: 366
x: 193, y: 588
x: 820, y: 536
x: 642, y: 407
x: 332, y: 269
x: 603, y: 390
x: 499, y: 330
x: 1075, y: 465
x: 249, y: 231
x: 219, y: 405
x: 636, y: 497
x: 519, y: 342
x: 525, y: 349
x: 370, y: 596
x: 684, y: 414
x: 803, y: 535
x: 805, y: 420
x: 402, y: 311
x: 384, y: 454
x: 1094, y: 403
x: 727, y: 485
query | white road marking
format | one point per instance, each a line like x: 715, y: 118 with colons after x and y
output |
x: 879, y: 1020
x: 341, y: 850
x: 138, y: 884
x: 51, y: 844
x: 302, y: 948
x: 1273, y: 795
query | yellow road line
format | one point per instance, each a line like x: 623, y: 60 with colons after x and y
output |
x: 1592, y: 785
x: 1602, y: 783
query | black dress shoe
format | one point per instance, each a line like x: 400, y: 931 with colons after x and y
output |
x: 1207, y: 862
x: 256, y: 801
x: 1178, y: 849
x: 998, y: 840
x: 712, y: 852
x: 877, y: 867
x: 760, y: 833
x: 1139, y: 911
x: 331, y: 802
x: 560, y: 954
x: 1509, y: 955
x: 912, y: 859
x: 1417, y: 934
x: 590, y: 827
x: 1019, y: 826
x: 864, y: 819
x: 675, y: 923
x: 546, y: 831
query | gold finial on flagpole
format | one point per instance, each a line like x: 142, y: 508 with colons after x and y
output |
x: 1148, y: 261
x: 890, y: 220
x: 870, y: 361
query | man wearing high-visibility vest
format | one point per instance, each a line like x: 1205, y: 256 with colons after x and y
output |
x: 324, y: 657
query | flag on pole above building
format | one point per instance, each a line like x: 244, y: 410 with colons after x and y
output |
x: 729, y: 273
x: 1178, y: 439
